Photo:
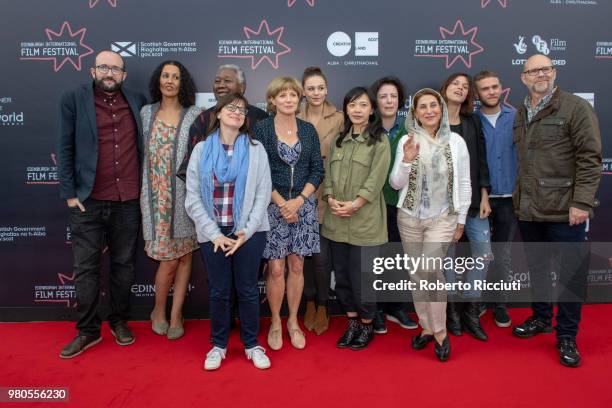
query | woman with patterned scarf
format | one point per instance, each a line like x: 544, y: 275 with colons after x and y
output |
x: 228, y: 191
x: 432, y: 172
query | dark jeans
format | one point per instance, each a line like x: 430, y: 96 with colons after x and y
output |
x: 242, y: 268
x: 394, y: 237
x: 116, y: 224
x: 317, y: 274
x: 569, y: 252
x: 503, y: 229
x: 347, y: 269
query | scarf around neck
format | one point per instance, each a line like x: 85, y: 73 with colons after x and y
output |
x: 433, y: 160
x: 214, y: 161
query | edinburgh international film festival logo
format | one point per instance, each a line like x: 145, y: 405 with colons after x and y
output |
x: 94, y: 3
x: 260, y: 44
x: 63, y: 46
x: 501, y: 3
x: 457, y: 44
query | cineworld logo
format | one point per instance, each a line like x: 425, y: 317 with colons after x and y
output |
x: 11, y: 119
x: 454, y: 45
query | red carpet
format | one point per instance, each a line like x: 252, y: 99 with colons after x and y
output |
x: 153, y: 372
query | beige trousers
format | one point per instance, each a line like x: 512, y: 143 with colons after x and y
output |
x: 428, y: 239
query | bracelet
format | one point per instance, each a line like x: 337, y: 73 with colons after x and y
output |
x: 304, y: 197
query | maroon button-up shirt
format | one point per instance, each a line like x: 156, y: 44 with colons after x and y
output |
x: 117, y: 171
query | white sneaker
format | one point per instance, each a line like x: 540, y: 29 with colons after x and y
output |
x: 258, y: 355
x: 213, y: 358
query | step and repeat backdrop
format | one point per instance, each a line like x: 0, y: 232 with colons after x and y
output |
x: 46, y: 47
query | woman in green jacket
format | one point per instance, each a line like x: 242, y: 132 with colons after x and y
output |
x: 356, y: 215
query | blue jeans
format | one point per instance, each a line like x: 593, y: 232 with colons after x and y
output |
x: 112, y: 223
x: 571, y: 255
x: 479, y: 234
x: 242, y: 268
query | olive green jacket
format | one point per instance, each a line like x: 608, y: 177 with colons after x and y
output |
x: 559, y: 154
x: 356, y: 169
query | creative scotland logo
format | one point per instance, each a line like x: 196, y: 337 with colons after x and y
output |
x: 64, y: 46
x: 455, y: 45
x: 364, y: 45
x: 261, y: 44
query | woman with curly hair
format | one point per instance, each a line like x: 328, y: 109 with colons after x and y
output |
x: 168, y: 232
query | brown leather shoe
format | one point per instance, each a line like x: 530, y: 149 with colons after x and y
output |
x: 78, y: 345
x: 309, y: 316
x: 321, y: 323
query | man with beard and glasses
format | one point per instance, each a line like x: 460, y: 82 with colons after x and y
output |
x: 559, y: 167
x: 100, y: 150
x: 497, y: 121
x: 229, y: 79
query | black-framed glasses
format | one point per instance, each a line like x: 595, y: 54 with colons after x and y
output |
x: 233, y: 108
x: 534, y: 72
x: 114, y: 69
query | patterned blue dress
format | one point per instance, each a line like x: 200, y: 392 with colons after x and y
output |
x: 302, y: 237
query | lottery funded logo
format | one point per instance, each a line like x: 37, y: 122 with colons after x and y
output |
x: 64, y: 46
x: 259, y: 44
x: 538, y: 43
x: 456, y: 44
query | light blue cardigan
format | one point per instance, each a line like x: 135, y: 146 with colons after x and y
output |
x: 257, y: 195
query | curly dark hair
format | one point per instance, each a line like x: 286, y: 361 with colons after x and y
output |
x: 391, y: 80
x: 187, y: 88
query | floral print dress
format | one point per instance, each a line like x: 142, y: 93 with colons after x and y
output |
x: 161, y: 153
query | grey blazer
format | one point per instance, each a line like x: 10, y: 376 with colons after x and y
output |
x: 181, y: 224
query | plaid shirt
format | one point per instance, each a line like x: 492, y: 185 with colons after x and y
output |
x: 223, y: 197
x: 531, y: 112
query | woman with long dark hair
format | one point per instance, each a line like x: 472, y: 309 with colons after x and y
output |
x: 168, y: 232
x: 356, y: 216
x: 458, y: 93
x: 228, y: 191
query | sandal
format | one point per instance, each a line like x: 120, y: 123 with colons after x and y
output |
x: 275, y: 339
x: 298, y: 340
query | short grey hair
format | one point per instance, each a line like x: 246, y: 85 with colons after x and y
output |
x: 237, y: 70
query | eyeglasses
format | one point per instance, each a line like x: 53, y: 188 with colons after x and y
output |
x: 233, y: 108
x: 536, y: 71
x: 114, y: 69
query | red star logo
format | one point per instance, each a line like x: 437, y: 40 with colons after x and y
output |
x: 485, y: 3
x: 94, y: 3
x: 290, y: 3
x: 505, y: 94
x: 69, y: 36
x: 445, y: 33
x: 272, y: 58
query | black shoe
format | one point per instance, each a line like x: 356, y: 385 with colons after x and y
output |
x: 501, y: 317
x: 421, y: 340
x: 453, y: 320
x: 568, y: 353
x: 379, y: 323
x: 123, y: 334
x: 471, y: 321
x: 363, y: 337
x: 349, y: 334
x: 402, y: 319
x: 482, y: 309
x: 78, y: 345
x: 531, y: 327
x: 442, y: 350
